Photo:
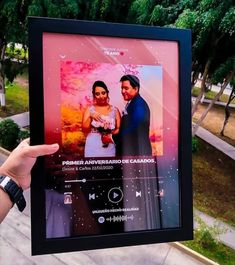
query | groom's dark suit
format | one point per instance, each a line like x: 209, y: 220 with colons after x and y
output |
x: 133, y: 138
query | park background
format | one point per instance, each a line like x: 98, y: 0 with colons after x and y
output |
x: 213, y: 26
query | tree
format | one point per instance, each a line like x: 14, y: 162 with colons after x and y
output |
x: 140, y: 11
x: 214, y: 43
x: 108, y: 10
x: 13, y: 21
x: 226, y: 110
x: 160, y: 13
x: 212, y: 23
x: 224, y: 74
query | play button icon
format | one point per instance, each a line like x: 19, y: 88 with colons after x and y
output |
x: 115, y: 195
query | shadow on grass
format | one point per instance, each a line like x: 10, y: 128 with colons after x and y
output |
x: 214, y: 183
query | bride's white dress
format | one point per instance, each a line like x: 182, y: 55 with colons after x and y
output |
x: 94, y: 146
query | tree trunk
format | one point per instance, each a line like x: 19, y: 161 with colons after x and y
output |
x: 199, y: 122
x: 194, y: 78
x: 203, y: 87
x: 2, y: 83
x: 226, y: 110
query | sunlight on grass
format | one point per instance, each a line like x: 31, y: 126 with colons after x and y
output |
x: 220, y: 253
x: 17, y: 100
x: 211, y: 95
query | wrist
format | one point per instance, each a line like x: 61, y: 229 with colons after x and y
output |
x: 13, y: 190
x: 111, y: 137
x: 6, y: 198
x: 5, y: 173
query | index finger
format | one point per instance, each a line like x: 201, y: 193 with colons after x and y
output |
x: 40, y: 150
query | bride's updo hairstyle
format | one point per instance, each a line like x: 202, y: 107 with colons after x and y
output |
x: 100, y: 84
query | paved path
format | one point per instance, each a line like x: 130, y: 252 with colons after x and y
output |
x: 15, y: 249
x: 215, y: 141
x: 21, y: 119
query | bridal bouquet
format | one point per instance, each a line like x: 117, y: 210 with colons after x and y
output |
x: 105, y: 126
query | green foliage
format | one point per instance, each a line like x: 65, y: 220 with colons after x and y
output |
x: 105, y: 7
x: 220, y: 253
x: 106, y: 10
x: 17, y: 99
x: 206, y: 236
x: 212, y: 23
x: 223, y: 70
x: 208, y: 4
x: 35, y: 9
x: 23, y: 134
x: 232, y: 83
x: 19, y: 54
x: 158, y: 16
x: 140, y: 11
x: 206, y: 242
x: 227, y: 24
x: 187, y: 19
x: 94, y: 9
x: 14, y: 24
x: 58, y: 9
x: 9, y: 133
x: 188, y: 4
x: 195, y: 144
x: 13, y: 21
x: 12, y: 69
x: 18, y: 92
x: 212, y: 94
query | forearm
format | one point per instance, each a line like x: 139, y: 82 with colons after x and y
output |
x: 116, y: 131
x: 15, y: 174
x: 86, y: 125
x: 86, y: 129
x: 5, y: 204
x: 5, y: 201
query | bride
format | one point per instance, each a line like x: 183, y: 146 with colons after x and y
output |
x: 99, y: 119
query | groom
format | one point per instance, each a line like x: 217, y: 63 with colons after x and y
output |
x: 133, y: 137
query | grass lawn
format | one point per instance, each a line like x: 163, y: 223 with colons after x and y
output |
x: 218, y: 253
x: 214, y: 122
x: 211, y: 95
x: 214, y: 183
x: 17, y: 100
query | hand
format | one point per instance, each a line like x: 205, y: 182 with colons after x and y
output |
x: 96, y: 116
x: 21, y: 160
x: 106, y: 138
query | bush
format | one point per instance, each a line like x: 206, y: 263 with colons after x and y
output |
x: 23, y: 134
x: 207, y: 236
x: 9, y: 134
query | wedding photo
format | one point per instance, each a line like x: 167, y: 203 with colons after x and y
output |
x: 93, y: 108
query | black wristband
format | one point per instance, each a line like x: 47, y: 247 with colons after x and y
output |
x: 14, y: 192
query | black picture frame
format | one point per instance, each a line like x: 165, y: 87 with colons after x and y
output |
x: 41, y: 244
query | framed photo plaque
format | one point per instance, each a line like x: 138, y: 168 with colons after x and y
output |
x: 116, y: 98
